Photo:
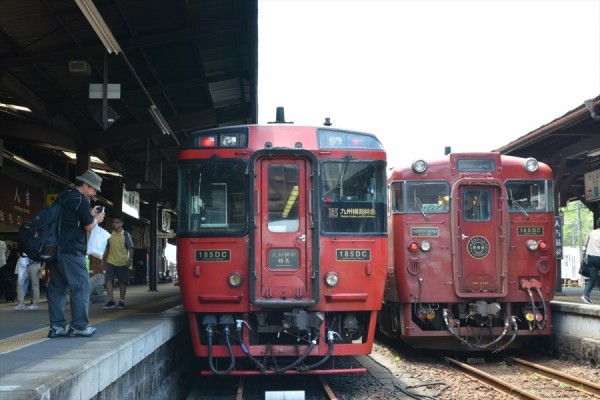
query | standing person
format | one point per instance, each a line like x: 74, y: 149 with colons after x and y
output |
x: 592, y: 251
x: 3, y: 256
x: 118, y: 262
x: 28, y: 269
x: 9, y: 284
x: 69, y: 272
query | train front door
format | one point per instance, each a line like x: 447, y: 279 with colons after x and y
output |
x: 479, y: 267
x: 284, y: 238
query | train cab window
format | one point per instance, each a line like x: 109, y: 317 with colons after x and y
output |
x: 283, y: 198
x: 527, y: 196
x: 212, y: 197
x: 477, y: 204
x: 353, y: 196
x: 431, y: 197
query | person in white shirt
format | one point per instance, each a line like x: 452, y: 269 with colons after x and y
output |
x: 28, y: 268
x: 3, y: 252
x: 592, y: 252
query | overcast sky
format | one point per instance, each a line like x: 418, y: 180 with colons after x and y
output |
x: 473, y: 75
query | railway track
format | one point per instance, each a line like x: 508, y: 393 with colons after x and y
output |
x: 260, y: 387
x: 522, y: 379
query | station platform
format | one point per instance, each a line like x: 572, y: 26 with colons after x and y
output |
x: 128, y: 357
x: 126, y: 341
x: 573, y: 295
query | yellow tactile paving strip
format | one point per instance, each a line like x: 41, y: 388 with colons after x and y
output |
x: 27, y: 339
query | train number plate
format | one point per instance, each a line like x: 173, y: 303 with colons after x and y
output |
x: 424, y: 232
x: 353, y: 255
x: 213, y: 255
x: 530, y: 230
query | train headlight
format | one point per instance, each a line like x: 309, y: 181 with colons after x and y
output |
x: 332, y: 279
x: 235, y: 279
x: 530, y: 165
x: 419, y: 166
x: 543, y: 245
x: 413, y: 246
x: 229, y: 140
x: 532, y: 245
x: 425, y: 246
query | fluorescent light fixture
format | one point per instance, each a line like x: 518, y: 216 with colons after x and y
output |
x: 160, y: 121
x: 73, y: 156
x: 14, y: 107
x: 27, y: 164
x: 90, y: 12
x: 104, y: 172
x: 594, y: 153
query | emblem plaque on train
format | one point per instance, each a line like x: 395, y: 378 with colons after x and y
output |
x: 478, y: 247
x: 530, y: 230
x: 213, y: 255
x: 353, y: 255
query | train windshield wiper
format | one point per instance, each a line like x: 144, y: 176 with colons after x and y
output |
x: 418, y: 201
x: 516, y: 204
x: 340, y: 184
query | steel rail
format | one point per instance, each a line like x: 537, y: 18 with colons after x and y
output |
x: 498, y: 384
x: 573, y: 381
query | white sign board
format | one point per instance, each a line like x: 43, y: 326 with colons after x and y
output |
x: 131, y: 203
x: 592, y: 185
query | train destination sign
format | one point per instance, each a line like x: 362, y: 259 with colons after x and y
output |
x: 283, y: 258
x: 353, y: 255
x: 485, y: 165
x: 530, y: 230
x: 426, y: 231
x: 213, y: 255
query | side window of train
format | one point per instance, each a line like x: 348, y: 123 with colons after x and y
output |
x: 431, y: 197
x: 530, y: 196
x: 477, y: 204
x: 353, y: 198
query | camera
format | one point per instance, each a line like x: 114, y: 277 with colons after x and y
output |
x: 101, y: 210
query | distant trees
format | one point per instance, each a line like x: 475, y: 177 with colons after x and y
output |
x: 578, y: 222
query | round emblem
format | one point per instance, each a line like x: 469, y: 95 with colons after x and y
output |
x: 478, y: 247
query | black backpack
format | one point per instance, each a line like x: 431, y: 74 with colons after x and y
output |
x: 39, y: 239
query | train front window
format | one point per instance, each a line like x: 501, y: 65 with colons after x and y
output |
x: 477, y: 204
x: 353, y: 197
x: 421, y: 197
x: 212, y: 197
x: 283, y: 198
x: 530, y: 196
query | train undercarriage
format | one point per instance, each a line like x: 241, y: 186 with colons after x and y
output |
x: 281, y: 342
x: 477, y: 324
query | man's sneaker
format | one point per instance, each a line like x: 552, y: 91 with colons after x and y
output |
x: 87, y: 332
x: 121, y: 304
x: 32, y: 307
x: 586, y: 300
x: 110, y: 304
x: 57, y: 331
x: 20, y: 306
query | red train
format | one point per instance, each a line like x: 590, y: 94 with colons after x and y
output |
x: 281, y: 246
x: 472, y: 260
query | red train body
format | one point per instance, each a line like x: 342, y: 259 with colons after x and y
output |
x: 472, y: 260
x: 281, y: 246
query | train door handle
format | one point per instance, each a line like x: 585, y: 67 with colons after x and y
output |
x: 302, y: 238
x: 463, y: 236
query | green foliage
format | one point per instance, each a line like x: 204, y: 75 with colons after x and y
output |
x: 572, y: 236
